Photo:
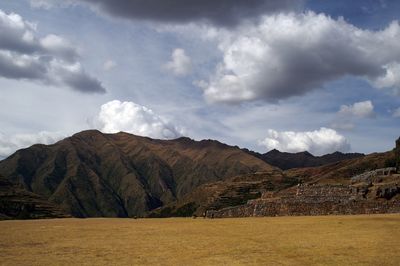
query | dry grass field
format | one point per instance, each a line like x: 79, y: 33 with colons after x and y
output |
x: 333, y: 240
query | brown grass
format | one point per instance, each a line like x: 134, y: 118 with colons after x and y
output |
x: 333, y: 240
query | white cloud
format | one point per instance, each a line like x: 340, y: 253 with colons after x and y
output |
x: 347, y: 114
x: 10, y: 144
x: 360, y: 109
x: 116, y: 116
x: 180, y: 64
x: 318, y: 142
x: 290, y: 54
x: 396, y: 113
x: 109, y: 64
x: 50, y: 59
x: 391, y: 79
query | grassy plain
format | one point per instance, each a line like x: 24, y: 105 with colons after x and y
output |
x: 325, y: 240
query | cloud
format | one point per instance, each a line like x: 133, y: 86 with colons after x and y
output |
x: 109, y: 64
x: 45, y: 4
x: 48, y: 4
x: 58, y: 46
x: 360, y: 109
x: 180, y: 64
x: 291, y: 54
x: 391, y: 79
x: 347, y: 114
x: 10, y: 144
x: 396, y: 113
x: 318, y: 142
x: 116, y: 116
x: 343, y: 125
x: 224, y: 13
x: 49, y: 60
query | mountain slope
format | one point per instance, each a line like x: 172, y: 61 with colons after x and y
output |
x: 17, y: 203
x: 121, y: 175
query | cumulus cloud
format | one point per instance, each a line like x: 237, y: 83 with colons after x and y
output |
x: 396, y: 113
x: 360, y: 109
x: 224, y: 13
x: 289, y: 54
x: 9, y: 144
x: 180, y: 64
x: 109, y: 64
x: 116, y: 116
x: 318, y: 142
x: 50, y: 59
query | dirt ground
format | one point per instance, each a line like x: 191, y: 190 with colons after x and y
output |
x: 324, y: 240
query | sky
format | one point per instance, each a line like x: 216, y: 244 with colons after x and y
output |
x: 321, y: 76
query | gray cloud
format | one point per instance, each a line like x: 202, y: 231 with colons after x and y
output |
x: 222, y: 12
x: 80, y: 81
x: 20, y: 67
x: 290, y: 54
x: 50, y: 59
x: 16, y: 34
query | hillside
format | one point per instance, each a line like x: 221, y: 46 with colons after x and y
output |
x: 121, y: 175
x: 17, y: 203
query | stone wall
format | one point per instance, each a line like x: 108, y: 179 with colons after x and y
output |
x: 318, y: 200
x: 368, y: 176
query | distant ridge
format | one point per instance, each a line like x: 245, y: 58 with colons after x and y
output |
x: 286, y: 160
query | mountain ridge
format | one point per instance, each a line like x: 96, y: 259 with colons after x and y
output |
x: 95, y: 174
x: 286, y: 160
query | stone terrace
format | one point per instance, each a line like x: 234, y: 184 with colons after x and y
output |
x: 318, y: 200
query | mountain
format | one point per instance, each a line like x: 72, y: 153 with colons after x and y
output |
x: 92, y: 174
x: 286, y: 160
x: 17, y: 203
x: 121, y: 175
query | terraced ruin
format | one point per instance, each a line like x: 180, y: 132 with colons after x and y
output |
x: 378, y: 195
